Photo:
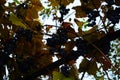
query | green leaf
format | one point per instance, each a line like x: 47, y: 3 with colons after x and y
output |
x: 16, y: 21
x: 57, y: 75
x: 16, y: 1
x: 83, y: 65
x: 88, y: 66
x: 60, y: 76
x: 92, y: 68
x: 102, y: 78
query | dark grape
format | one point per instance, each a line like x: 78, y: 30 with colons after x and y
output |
x: 63, y: 10
x: 28, y: 35
x: 58, y: 39
x: 62, y: 52
x: 52, y: 50
x: 110, y: 2
x: 24, y: 33
x: 81, y: 46
x: 38, y: 27
x: 25, y: 64
x: 86, y: 1
x: 65, y: 70
x: 92, y: 17
x: 9, y: 46
x: 3, y: 59
x: 113, y: 15
x: 54, y: 41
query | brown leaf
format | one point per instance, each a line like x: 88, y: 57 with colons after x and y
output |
x: 88, y: 66
x: 48, y: 28
x: 92, y: 68
x: 83, y: 65
x: 63, y: 2
x: 66, y: 24
x: 117, y: 2
x: 91, y: 4
x: 37, y: 5
x: 80, y: 11
x: 79, y: 23
x: 69, y: 45
x: 32, y: 13
x: 2, y: 2
x: 105, y: 64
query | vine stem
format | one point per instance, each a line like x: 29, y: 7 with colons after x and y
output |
x: 105, y: 57
x: 83, y: 75
x: 107, y: 75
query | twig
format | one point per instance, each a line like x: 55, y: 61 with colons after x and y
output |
x: 107, y: 75
x: 83, y: 75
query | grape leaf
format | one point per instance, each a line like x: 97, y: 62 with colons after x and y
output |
x: 91, y: 4
x: 117, y: 2
x: 32, y: 14
x: 80, y: 11
x: 88, y: 66
x: 74, y: 72
x: 69, y: 45
x: 92, y: 68
x: 83, y: 65
x: 2, y: 2
x: 79, y: 23
x: 102, y: 78
x: 37, y: 5
x: 63, y: 2
x: 16, y: 1
x: 57, y: 75
x: 60, y: 76
x: 16, y: 21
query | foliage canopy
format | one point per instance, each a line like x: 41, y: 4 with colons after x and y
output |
x: 28, y: 53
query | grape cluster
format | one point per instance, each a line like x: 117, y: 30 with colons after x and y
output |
x: 110, y: 2
x: 81, y: 46
x: 3, y: 58
x: 92, y: 17
x: 24, y: 33
x: 63, y: 11
x: 105, y: 46
x: 65, y: 69
x: 24, y: 65
x: 58, y: 39
x: 9, y: 46
x: 62, y: 52
x: 113, y: 15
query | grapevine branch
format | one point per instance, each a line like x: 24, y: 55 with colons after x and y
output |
x: 52, y: 66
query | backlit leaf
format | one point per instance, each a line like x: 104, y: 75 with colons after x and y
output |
x: 83, y: 65
x: 16, y: 21
x: 102, y: 78
x: 79, y: 23
x: 88, y: 66
x: 32, y: 14
x: 60, y: 76
x: 80, y: 11
x: 16, y: 1
x: 37, y: 5
x: 92, y: 68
